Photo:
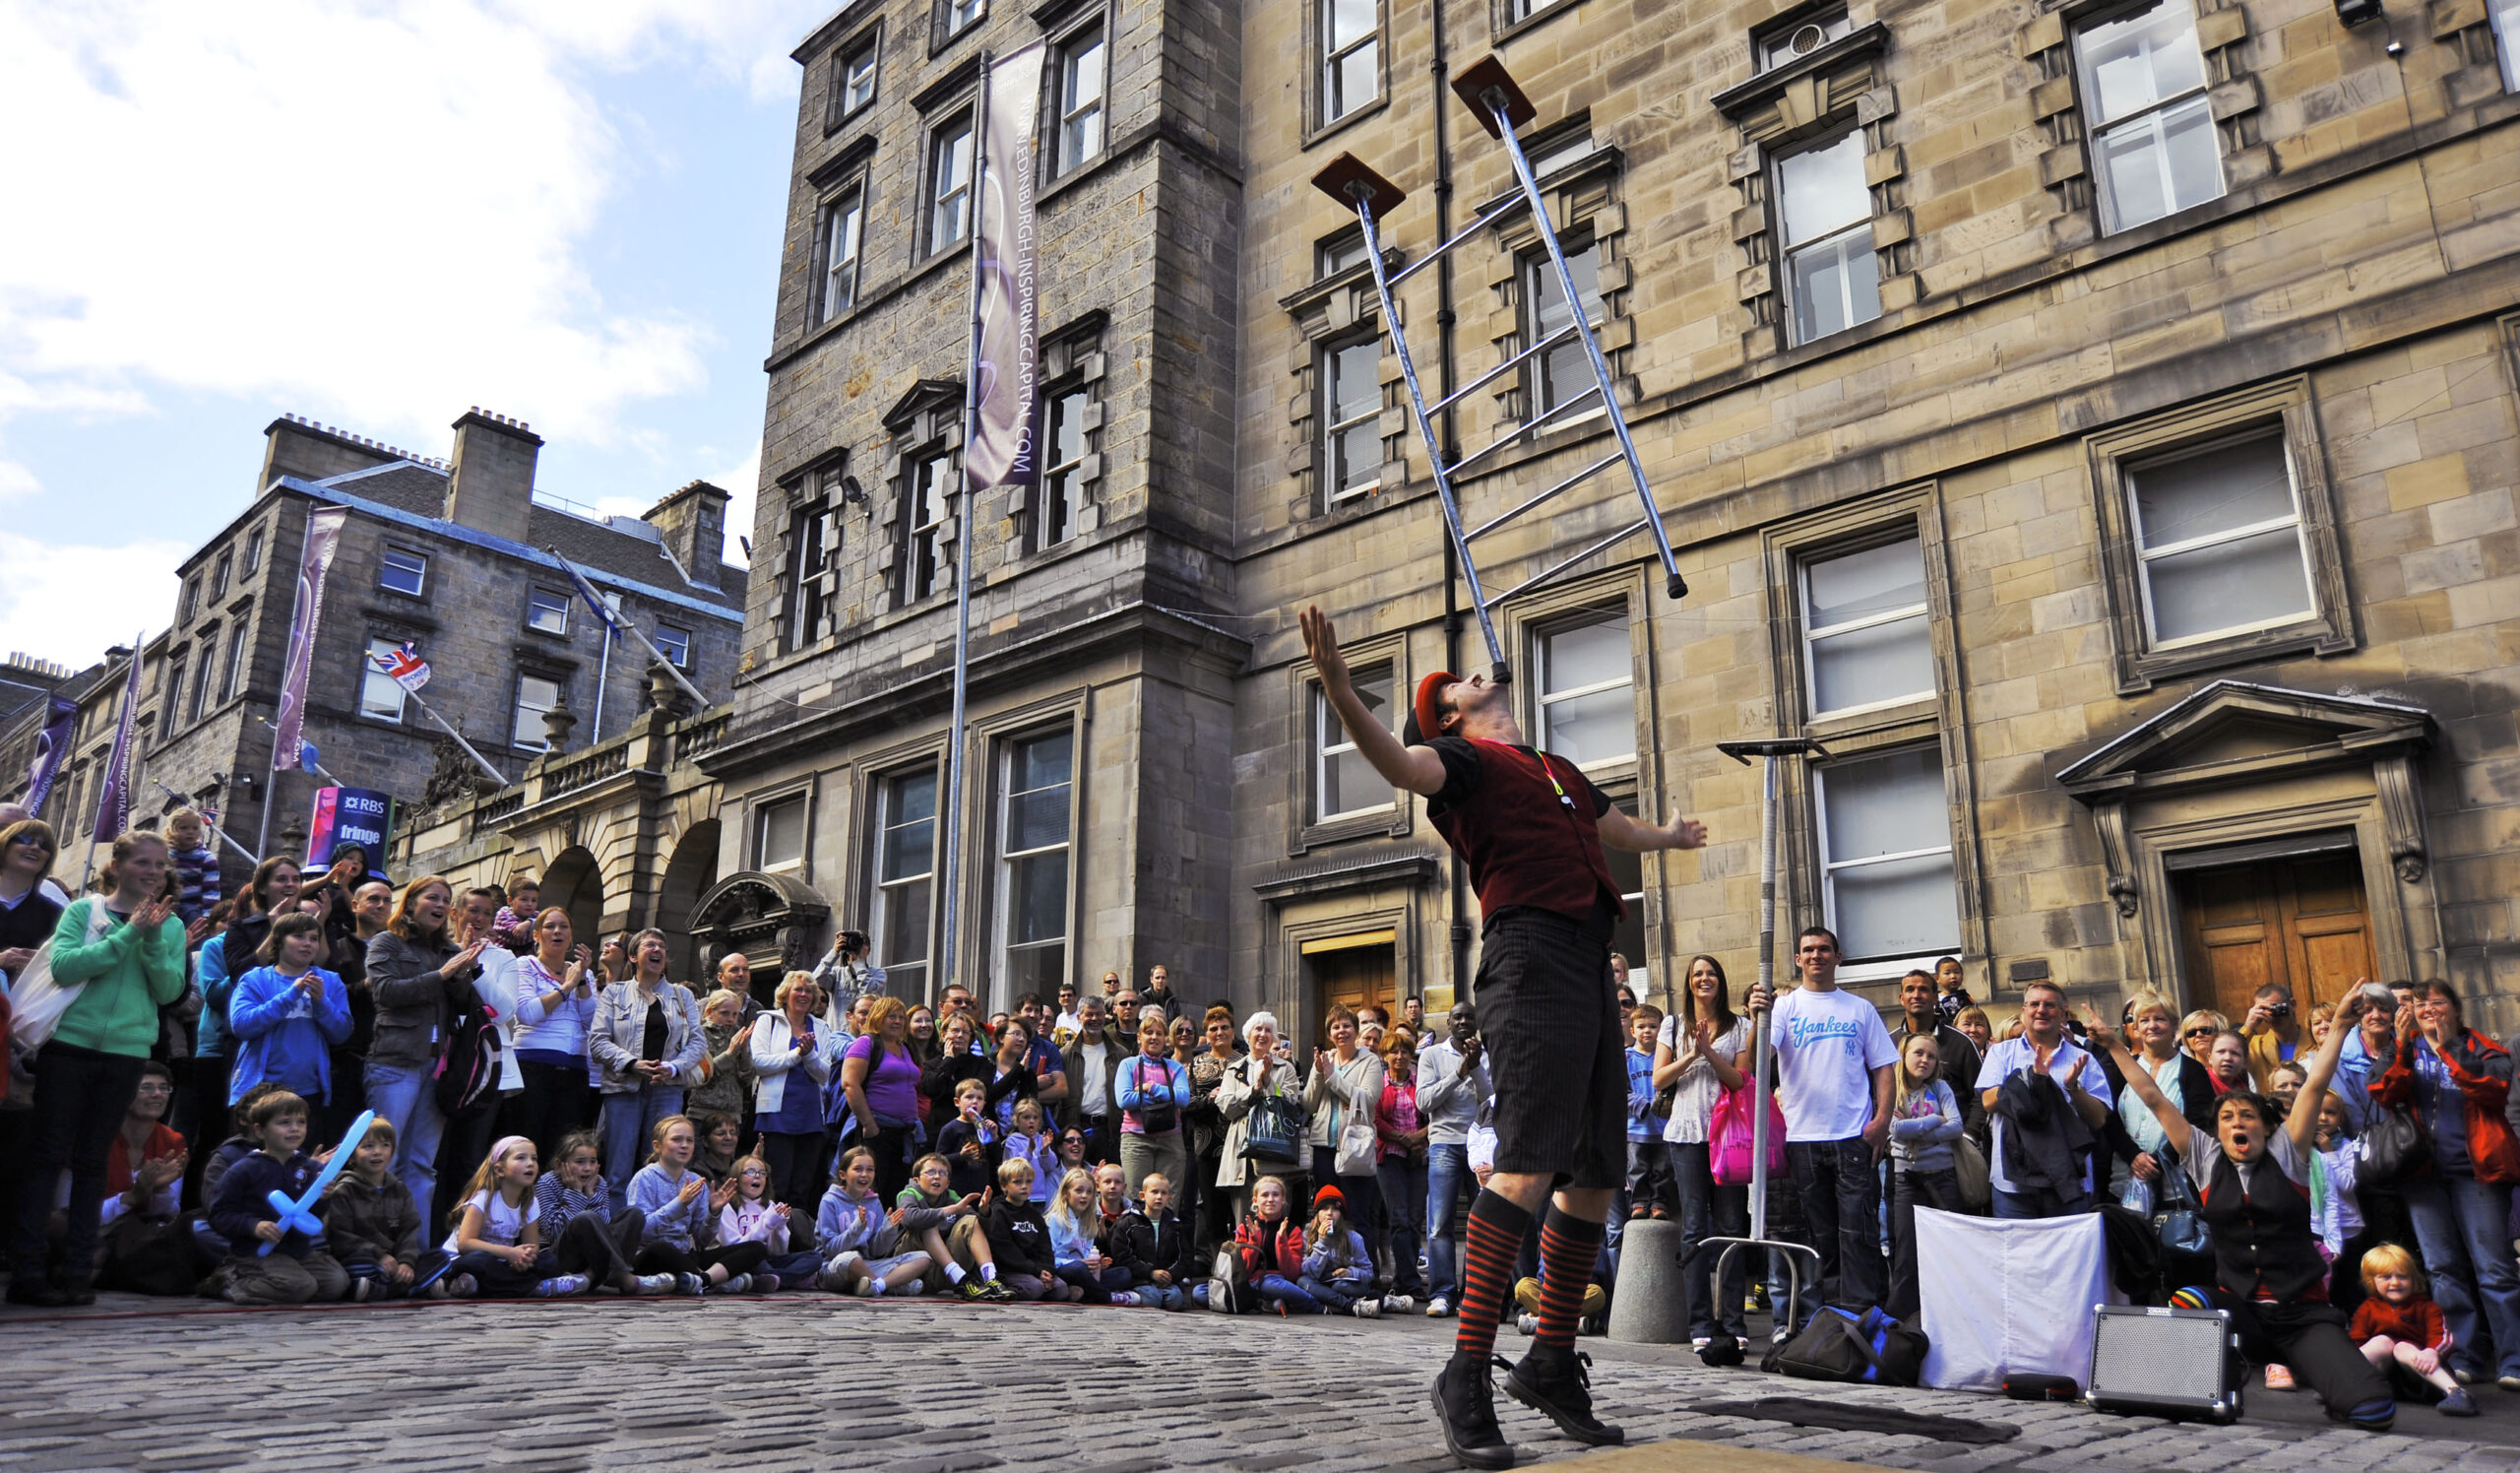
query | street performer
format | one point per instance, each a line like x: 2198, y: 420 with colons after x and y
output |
x: 1530, y: 827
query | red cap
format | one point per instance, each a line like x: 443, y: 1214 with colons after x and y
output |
x: 1328, y: 1197
x: 1429, y: 719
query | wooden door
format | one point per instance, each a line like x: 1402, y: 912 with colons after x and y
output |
x: 2299, y: 921
x: 1352, y: 976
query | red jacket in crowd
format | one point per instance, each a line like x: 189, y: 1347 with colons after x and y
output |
x: 1266, y: 1250
x: 2481, y: 1068
x: 2415, y: 1322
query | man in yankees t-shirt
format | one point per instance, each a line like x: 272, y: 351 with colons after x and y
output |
x: 1530, y: 827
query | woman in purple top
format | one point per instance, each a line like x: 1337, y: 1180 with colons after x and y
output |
x: 881, y: 1081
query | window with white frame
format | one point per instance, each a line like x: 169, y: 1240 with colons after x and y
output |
x: 1343, y: 783
x: 1564, y: 372
x: 1885, y: 856
x: 1866, y: 639
x: 1832, y: 279
x: 254, y: 553
x: 1351, y: 56
x: 842, y: 229
x: 1587, y: 690
x: 547, y: 612
x: 404, y: 572
x: 380, y: 698
x: 928, y: 510
x: 1627, y: 937
x: 2219, y: 539
x: 2149, y: 124
x: 2505, y: 15
x: 955, y: 17
x: 949, y: 184
x: 779, y: 834
x: 535, y: 695
x: 853, y: 81
x: 1350, y: 418
x: 1081, y: 59
x: 219, y: 578
x: 1338, y: 253
x: 1790, y: 43
x: 904, y: 878
x: 1554, y: 153
x: 1055, y: 496
x: 813, y: 572
x: 205, y: 673
x: 192, y: 600
x: 675, y: 644
x: 238, y: 647
x: 1036, y: 781
x: 171, y: 723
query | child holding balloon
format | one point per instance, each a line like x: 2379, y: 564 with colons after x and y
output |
x: 293, y: 1271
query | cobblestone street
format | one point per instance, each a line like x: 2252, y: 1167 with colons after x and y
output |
x: 819, y: 1382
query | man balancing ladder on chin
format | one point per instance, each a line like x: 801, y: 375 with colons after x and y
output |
x: 1532, y: 828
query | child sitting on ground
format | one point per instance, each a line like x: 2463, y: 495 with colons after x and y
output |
x: 604, y: 1246
x: 969, y: 1141
x: 754, y: 1216
x: 861, y: 1246
x: 1031, y: 1143
x: 1018, y: 1240
x: 2400, y: 1327
x: 296, y: 1270
x: 1271, y: 1245
x: 949, y: 1227
x: 497, y: 1236
x: 1336, y: 1269
x: 1076, y: 1227
x: 1153, y: 1246
x: 372, y: 1227
x: 680, y: 1205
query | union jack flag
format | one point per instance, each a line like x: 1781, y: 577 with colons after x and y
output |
x: 405, y: 666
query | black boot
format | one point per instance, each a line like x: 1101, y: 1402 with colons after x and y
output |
x: 1555, y: 1383
x: 42, y: 1294
x: 1466, y: 1409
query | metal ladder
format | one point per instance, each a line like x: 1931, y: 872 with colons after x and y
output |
x: 1500, y: 107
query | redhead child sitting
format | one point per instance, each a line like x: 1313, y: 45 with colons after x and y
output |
x: 1336, y: 1269
x: 949, y: 1227
x: 755, y: 1216
x: 1271, y: 1244
x: 1077, y: 1258
x: 2398, y: 1324
x: 861, y: 1245
x: 1018, y: 1240
x: 497, y: 1239
x: 1153, y: 1246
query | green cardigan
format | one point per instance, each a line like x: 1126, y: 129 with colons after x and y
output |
x: 127, y: 978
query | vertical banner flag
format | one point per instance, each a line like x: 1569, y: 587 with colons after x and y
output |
x: 113, y: 798
x: 52, y: 744
x: 323, y: 539
x: 1004, y: 448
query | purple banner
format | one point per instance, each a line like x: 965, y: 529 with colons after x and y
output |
x: 323, y: 539
x: 51, y: 746
x: 1004, y: 447
x: 113, y: 799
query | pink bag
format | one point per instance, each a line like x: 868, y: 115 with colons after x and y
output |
x: 1728, y: 1137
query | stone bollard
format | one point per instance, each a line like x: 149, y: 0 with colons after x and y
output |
x: 1652, y: 1304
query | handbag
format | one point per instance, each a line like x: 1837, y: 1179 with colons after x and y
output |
x: 2394, y: 1148
x: 2177, y: 1216
x: 1273, y: 1131
x: 37, y: 1001
x: 1730, y: 1136
x: 1356, y: 1141
x: 1976, y: 1182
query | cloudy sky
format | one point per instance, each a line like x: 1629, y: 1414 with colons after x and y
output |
x: 374, y: 214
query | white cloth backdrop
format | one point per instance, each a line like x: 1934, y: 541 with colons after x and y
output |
x: 2002, y: 1298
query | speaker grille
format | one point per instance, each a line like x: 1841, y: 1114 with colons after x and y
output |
x: 2157, y: 1357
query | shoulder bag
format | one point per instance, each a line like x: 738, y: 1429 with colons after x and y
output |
x: 2394, y: 1148
x: 1357, y: 1142
x: 1273, y: 1131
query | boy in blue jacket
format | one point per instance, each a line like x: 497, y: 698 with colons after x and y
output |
x: 286, y: 1014
x: 297, y: 1270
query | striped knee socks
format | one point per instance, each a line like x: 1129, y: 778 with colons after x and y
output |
x: 1496, y: 1229
x: 1569, y: 1246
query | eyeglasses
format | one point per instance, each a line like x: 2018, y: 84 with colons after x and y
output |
x: 156, y: 1087
x: 2198, y: 1033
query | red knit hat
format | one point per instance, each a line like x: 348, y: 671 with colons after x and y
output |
x: 1330, y: 1196
x: 1430, y: 717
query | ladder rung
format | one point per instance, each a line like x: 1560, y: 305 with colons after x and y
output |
x: 1597, y: 466
x: 1467, y: 230
x: 1621, y: 536
x: 1476, y: 384
x: 1519, y: 430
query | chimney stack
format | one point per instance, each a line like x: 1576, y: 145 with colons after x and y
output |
x: 492, y: 487
x: 693, y: 523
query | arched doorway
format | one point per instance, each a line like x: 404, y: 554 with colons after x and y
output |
x: 576, y: 885
x: 689, y: 875
x: 779, y: 922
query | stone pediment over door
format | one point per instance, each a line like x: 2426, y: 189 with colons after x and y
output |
x: 771, y: 918
x: 2236, y: 764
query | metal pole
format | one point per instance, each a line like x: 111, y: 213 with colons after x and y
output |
x: 635, y: 632
x: 947, y: 949
x: 602, y: 669
x: 271, y: 768
x: 1767, y: 984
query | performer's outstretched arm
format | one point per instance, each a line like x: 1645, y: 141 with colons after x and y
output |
x: 1415, y: 768
x: 1619, y: 831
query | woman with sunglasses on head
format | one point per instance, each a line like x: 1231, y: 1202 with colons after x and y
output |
x: 2198, y: 1032
x: 27, y: 909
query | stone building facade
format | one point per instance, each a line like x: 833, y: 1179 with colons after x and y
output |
x: 449, y: 555
x: 2095, y: 425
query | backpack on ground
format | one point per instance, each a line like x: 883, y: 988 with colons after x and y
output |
x: 1839, y: 1345
x: 1229, y: 1290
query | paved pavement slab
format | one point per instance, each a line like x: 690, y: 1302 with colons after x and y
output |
x: 814, y: 1381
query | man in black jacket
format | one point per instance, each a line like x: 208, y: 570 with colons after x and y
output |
x: 1959, y: 1061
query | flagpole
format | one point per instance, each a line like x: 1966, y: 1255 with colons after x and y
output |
x: 301, y: 756
x: 271, y: 770
x: 602, y: 671
x: 119, y: 784
x: 633, y: 632
x: 468, y: 750
x: 952, y: 862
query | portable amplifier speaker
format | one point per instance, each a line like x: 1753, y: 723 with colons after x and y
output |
x: 2164, y: 1363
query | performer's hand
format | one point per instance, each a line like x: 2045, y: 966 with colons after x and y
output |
x: 1685, y: 833
x: 1321, y: 642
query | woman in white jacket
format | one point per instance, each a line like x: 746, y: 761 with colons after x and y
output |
x: 643, y: 1050
x: 794, y: 1055
x: 1266, y: 1073
x: 1343, y: 1094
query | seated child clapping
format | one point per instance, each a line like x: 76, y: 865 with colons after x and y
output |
x: 1336, y: 1269
x: 861, y: 1246
x: 2398, y: 1325
x: 1076, y: 1227
x: 1154, y: 1247
x: 681, y: 1208
x: 753, y: 1216
x: 1019, y: 1242
x: 295, y: 1271
x: 497, y: 1236
x: 1271, y: 1245
x: 949, y: 1227
x: 372, y: 1225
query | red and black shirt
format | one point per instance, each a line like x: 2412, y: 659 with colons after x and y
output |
x: 1527, y: 822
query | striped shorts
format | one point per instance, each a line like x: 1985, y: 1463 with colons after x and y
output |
x: 1549, y: 1021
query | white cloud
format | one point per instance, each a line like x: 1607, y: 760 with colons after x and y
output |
x: 741, y: 480
x: 372, y: 210
x: 52, y: 599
